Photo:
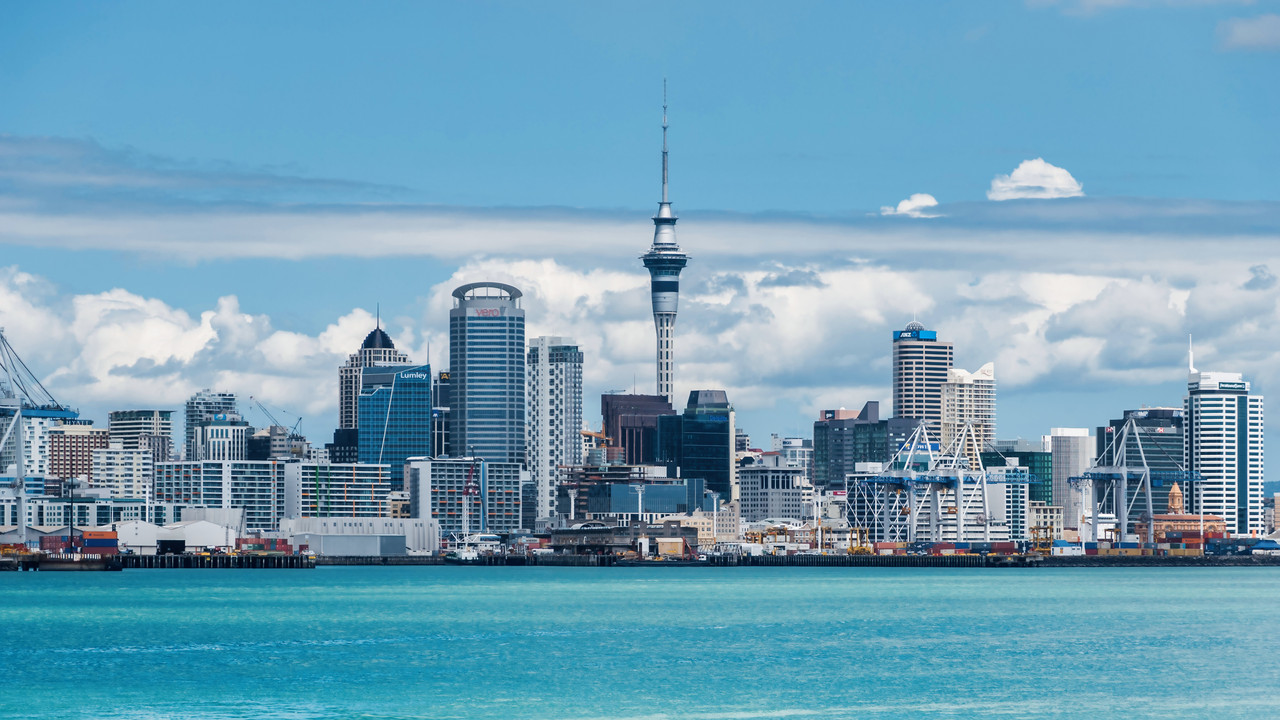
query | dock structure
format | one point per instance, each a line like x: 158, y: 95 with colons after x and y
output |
x: 217, y: 562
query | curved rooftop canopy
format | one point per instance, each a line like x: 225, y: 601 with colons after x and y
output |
x: 377, y: 339
x: 494, y: 290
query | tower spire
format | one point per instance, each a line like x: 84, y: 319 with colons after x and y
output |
x: 664, y: 141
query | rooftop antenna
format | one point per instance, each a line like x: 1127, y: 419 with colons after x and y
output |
x: 378, y: 314
x: 1191, y: 355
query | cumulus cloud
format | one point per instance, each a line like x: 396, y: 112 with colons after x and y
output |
x: 1262, y: 278
x: 1256, y: 33
x: 1035, y: 179
x: 915, y: 206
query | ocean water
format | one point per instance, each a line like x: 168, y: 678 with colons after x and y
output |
x: 641, y: 643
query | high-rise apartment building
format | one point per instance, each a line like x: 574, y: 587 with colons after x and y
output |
x: 394, y: 421
x: 969, y: 400
x: 664, y: 262
x: 203, y: 408
x: 487, y: 373
x: 554, y: 424
x: 486, y: 493
x: 377, y: 349
x: 226, y: 437
x: 129, y: 426
x: 920, y: 365
x: 71, y: 450
x: 1223, y: 441
x: 127, y: 473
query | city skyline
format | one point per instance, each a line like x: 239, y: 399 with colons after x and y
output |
x: 811, y: 219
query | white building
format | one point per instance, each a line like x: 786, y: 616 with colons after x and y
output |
x: 969, y: 398
x: 554, y: 426
x: 126, y: 473
x: 771, y: 489
x: 1223, y: 441
x: 422, y: 535
x: 1074, y: 451
x: 260, y: 487
x: 202, y: 408
x: 33, y: 437
x: 488, y: 492
x: 226, y: 438
x: 129, y: 426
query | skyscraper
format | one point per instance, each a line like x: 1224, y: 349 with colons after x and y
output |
x: 377, y: 349
x: 1223, y: 441
x: 843, y: 439
x: 665, y: 261
x: 487, y: 372
x: 969, y: 398
x: 203, y: 408
x: 700, y: 442
x: 920, y: 365
x: 555, y: 415
x: 631, y: 423
x: 1073, y: 452
x: 394, y: 408
x: 128, y: 426
x: 1156, y: 441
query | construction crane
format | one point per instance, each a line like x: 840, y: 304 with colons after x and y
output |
x: 293, y: 431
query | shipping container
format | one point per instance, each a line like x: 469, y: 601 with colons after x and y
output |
x: 98, y: 534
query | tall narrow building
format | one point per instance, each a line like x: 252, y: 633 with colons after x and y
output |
x: 487, y: 373
x: 377, y: 349
x: 969, y: 399
x: 665, y: 261
x: 1222, y: 439
x: 202, y: 409
x: 555, y: 415
x: 920, y: 366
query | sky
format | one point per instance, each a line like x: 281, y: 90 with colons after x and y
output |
x: 225, y: 195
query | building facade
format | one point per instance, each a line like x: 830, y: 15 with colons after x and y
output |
x: 843, y: 439
x: 1224, y: 443
x: 554, y: 425
x: 377, y: 349
x: 920, y: 366
x: 771, y: 488
x: 129, y: 427
x: 1073, y: 452
x: 323, y: 490
x: 487, y: 366
x: 71, y: 450
x: 226, y: 437
x: 631, y: 423
x: 258, y: 487
x: 394, y: 416
x: 125, y: 473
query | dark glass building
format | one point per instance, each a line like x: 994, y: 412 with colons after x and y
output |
x: 699, y: 443
x: 1037, y: 461
x: 1160, y: 431
x: 394, y: 409
x: 631, y: 423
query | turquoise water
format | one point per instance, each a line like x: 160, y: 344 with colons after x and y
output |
x: 641, y: 643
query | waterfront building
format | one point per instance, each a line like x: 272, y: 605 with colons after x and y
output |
x: 1073, y: 452
x: 488, y: 492
x: 348, y: 490
x: 624, y: 501
x: 202, y: 408
x: 631, y: 423
x: 1175, y: 519
x: 555, y: 416
x: 441, y: 414
x: 699, y: 443
x: 920, y: 366
x: 772, y: 488
x: 969, y: 401
x: 843, y: 440
x: 377, y: 349
x: 125, y: 473
x: 130, y: 427
x: 395, y: 416
x: 71, y: 450
x: 1224, y: 443
x: 258, y: 486
x: 421, y: 535
x: 664, y: 262
x: 487, y: 366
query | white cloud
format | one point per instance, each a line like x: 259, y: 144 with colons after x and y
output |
x: 1256, y: 33
x: 1034, y: 179
x: 914, y: 206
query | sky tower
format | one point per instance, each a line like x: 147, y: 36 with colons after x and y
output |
x: 665, y: 261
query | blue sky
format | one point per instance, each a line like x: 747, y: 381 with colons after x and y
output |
x: 310, y: 160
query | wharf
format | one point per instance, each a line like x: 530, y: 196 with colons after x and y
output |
x: 60, y: 563
x: 378, y: 560
x: 1157, y: 561
x: 874, y: 560
x: 216, y: 562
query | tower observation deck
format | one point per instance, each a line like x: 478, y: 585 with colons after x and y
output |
x: 665, y: 261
